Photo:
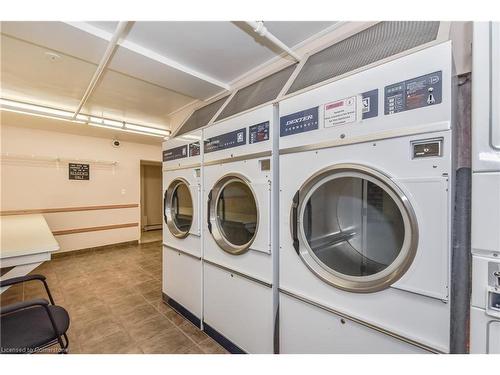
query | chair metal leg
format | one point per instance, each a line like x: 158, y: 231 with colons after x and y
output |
x: 64, y: 347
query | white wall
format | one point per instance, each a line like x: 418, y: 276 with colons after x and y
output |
x: 40, y: 185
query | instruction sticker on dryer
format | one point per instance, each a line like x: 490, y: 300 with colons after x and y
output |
x: 194, y: 149
x: 175, y: 153
x: 341, y: 112
x: 259, y: 132
x: 228, y: 140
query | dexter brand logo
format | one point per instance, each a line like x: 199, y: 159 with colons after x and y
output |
x: 299, y: 119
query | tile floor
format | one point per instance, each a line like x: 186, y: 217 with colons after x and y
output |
x: 113, y: 297
x: 151, y: 236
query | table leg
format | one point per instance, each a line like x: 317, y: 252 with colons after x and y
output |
x: 17, y: 271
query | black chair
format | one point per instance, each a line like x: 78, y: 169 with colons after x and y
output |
x: 31, y: 326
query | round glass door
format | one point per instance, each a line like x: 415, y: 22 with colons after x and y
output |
x: 178, y: 206
x: 356, y: 228
x: 233, y: 214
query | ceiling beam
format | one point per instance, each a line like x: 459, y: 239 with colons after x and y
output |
x: 113, y: 42
x: 134, y: 47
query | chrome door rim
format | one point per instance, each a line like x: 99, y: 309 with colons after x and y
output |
x: 169, y: 193
x: 217, y: 232
x: 361, y: 284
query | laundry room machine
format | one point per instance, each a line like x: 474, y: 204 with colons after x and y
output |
x: 485, y: 299
x: 182, y: 283
x: 237, y: 256
x: 366, y: 187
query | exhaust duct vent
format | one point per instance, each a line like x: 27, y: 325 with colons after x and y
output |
x: 201, y: 116
x: 257, y: 93
x: 378, y: 42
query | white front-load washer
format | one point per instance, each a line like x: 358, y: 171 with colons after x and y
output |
x: 485, y: 205
x: 182, y: 282
x: 365, y: 208
x: 237, y: 256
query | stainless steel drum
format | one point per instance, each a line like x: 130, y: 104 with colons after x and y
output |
x: 354, y: 228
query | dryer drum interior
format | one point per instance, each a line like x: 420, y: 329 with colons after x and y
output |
x: 356, y: 228
x: 233, y: 214
x: 178, y: 206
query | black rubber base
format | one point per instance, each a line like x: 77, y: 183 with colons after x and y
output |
x: 222, y: 340
x: 182, y: 310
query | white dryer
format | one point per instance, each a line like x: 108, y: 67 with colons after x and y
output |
x: 237, y: 260
x: 182, y: 230
x: 485, y: 300
x: 365, y: 207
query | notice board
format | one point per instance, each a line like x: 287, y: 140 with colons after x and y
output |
x: 79, y: 171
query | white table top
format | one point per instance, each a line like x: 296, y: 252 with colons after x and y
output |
x: 25, y: 235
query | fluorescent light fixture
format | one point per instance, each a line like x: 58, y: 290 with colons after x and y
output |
x: 32, y: 108
x: 42, y: 115
x: 124, y: 130
x: 104, y: 121
x: 63, y: 115
x: 83, y: 118
x: 147, y: 129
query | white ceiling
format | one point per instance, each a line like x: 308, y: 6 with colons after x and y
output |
x: 158, y: 67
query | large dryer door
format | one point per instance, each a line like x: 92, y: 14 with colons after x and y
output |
x: 178, y: 208
x: 233, y: 214
x: 354, y: 228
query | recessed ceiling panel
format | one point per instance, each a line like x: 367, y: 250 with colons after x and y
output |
x: 59, y: 37
x: 221, y: 50
x: 35, y: 74
x: 293, y: 32
x: 109, y: 26
x: 125, y: 98
x: 136, y: 65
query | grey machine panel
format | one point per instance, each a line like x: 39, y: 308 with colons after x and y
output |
x: 175, y: 153
x: 413, y: 93
x: 224, y: 141
x: 259, y: 132
x: 299, y: 122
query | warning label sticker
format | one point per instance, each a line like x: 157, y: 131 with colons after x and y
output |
x: 341, y: 112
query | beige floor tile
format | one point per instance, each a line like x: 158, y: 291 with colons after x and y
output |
x: 193, y: 332
x: 150, y: 328
x: 117, y: 343
x: 209, y: 346
x: 172, y: 341
x: 97, y: 330
x: 175, y: 317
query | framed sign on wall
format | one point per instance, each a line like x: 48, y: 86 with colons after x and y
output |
x: 79, y: 171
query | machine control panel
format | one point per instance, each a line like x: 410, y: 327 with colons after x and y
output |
x: 427, y: 148
x: 259, y: 132
x: 493, y: 297
x: 175, y: 153
x: 299, y: 122
x: 414, y: 93
x: 224, y: 141
x: 194, y: 149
